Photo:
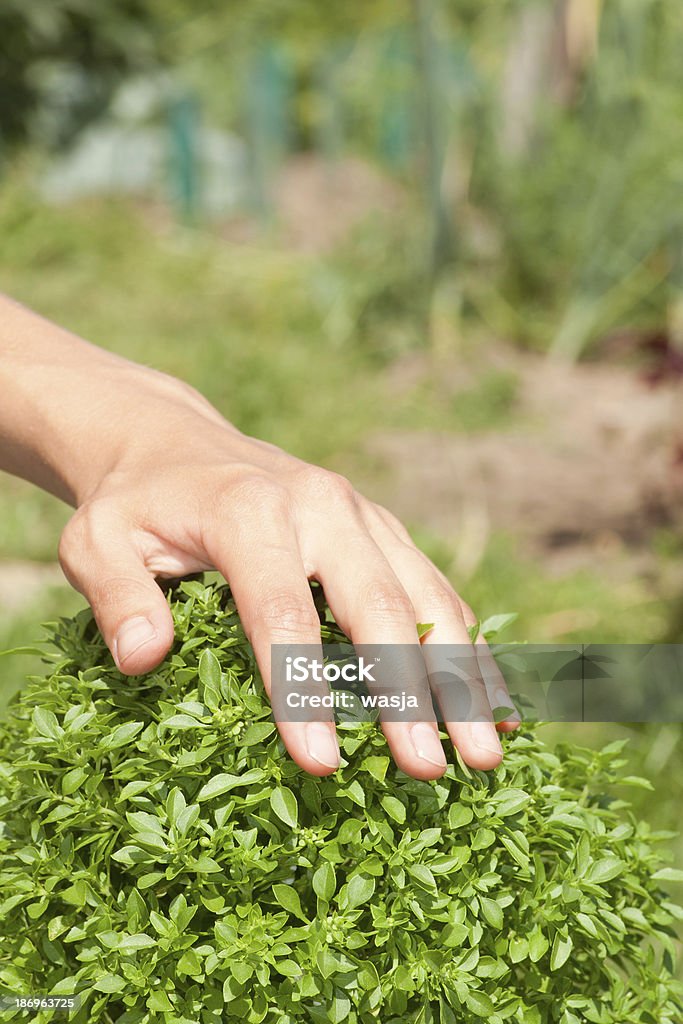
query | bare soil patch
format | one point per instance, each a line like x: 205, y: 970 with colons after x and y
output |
x: 21, y: 582
x: 591, y: 460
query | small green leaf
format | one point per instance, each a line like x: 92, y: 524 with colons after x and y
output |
x: 183, y: 722
x: 604, y: 870
x: 151, y: 840
x: 588, y: 924
x: 110, y: 983
x: 136, y: 942
x: 284, y: 804
x: 668, y: 875
x: 359, y: 890
x: 325, y: 882
x: 509, y: 801
x: 503, y: 712
x: 339, y: 1008
x: 473, y: 631
x: 46, y: 723
x: 159, y: 1002
x: 496, y: 624
x: 538, y: 945
x: 459, y: 815
x: 210, y: 670
x: 288, y: 898
x: 189, y: 963
x: 175, y: 805
x: 121, y: 735
x: 421, y: 874
x: 206, y: 865
x: 376, y: 766
x: 492, y: 912
x: 394, y: 808
x: 243, y: 972
x: 483, y: 838
x: 257, y: 732
x: 562, y: 947
x: 350, y: 830
x: 224, y: 782
x: 73, y: 780
x: 423, y: 628
x: 637, y: 781
x: 518, y: 949
x: 187, y: 818
x: 368, y: 978
x: 479, y: 1003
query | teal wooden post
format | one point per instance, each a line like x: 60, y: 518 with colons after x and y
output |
x: 427, y: 61
x: 329, y: 127
x: 398, y: 115
x: 184, y: 122
x: 268, y: 121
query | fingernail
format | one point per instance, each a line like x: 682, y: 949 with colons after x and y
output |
x: 321, y: 743
x: 132, y: 635
x: 485, y: 737
x: 427, y: 744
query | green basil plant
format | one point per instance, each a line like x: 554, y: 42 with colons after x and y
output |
x: 164, y: 859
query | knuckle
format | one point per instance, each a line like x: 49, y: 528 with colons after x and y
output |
x: 439, y: 598
x: 78, y: 535
x: 285, y: 614
x: 69, y: 541
x: 322, y: 485
x: 388, y: 600
x: 255, y: 493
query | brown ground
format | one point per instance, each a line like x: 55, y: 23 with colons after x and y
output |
x: 318, y: 204
x: 21, y: 582
x: 591, y: 462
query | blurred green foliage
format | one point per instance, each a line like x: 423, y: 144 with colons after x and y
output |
x: 570, y: 232
x: 61, y: 59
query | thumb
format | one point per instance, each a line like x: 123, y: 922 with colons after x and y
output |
x: 99, y: 559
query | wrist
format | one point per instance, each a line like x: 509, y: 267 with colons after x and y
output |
x: 72, y: 413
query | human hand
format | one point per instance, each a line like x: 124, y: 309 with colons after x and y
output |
x: 200, y: 495
x: 164, y: 486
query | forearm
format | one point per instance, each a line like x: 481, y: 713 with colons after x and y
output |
x: 68, y: 409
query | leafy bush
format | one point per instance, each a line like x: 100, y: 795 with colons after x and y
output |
x: 162, y: 856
